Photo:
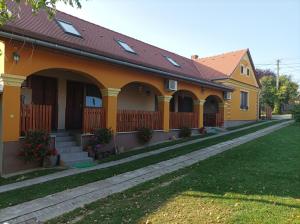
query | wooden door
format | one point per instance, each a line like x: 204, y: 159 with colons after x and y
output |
x: 74, y: 105
x: 44, y: 92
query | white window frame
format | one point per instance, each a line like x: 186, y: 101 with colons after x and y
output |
x: 172, y: 61
x: 126, y: 47
x: 75, y: 31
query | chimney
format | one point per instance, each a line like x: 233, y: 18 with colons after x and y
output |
x: 194, y: 57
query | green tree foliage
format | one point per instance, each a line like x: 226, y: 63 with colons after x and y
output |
x: 288, y: 91
x: 7, y: 14
x: 268, y: 90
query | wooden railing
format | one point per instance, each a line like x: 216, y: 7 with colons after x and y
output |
x: 128, y: 120
x: 35, y: 117
x: 183, y: 119
x: 93, y: 118
x: 213, y: 120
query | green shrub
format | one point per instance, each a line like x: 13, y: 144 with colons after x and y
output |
x: 185, y: 132
x: 144, y: 135
x: 296, y: 113
x: 36, y: 146
x: 102, y: 136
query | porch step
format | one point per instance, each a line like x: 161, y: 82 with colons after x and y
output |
x: 61, y: 134
x: 65, y: 144
x: 71, y: 156
x: 70, y: 152
x: 70, y: 149
x: 64, y: 138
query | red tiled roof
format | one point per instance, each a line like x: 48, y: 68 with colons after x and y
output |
x: 99, y: 40
x: 219, y: 66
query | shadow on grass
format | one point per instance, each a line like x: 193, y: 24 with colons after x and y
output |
x: 265, y: 171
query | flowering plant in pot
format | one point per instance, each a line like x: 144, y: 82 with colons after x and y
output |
x: 202, y: 131
x: 101, y: 137
x: 36, y: 147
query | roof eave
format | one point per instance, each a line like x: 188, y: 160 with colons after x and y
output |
x: 112, y: 60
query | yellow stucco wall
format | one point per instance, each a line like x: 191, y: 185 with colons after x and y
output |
x: 242, y: 82
x: 105, y: 75
x: 137, y: 97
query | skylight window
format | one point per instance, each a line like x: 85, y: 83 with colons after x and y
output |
x: 68, y: 28
x: 172, y: 61
x: 126, y: 47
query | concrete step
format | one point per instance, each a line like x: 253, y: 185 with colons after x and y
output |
x: 61, y: 134
x: 73, y: 162
x: 70, y: 156
x: 65, y: 144
x: 69, y: 149
x: 64, y: 138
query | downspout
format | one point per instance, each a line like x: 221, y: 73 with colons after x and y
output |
x: 112, y: 60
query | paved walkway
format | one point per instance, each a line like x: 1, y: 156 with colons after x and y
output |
x: 74, y: 171
x: 49, y: 207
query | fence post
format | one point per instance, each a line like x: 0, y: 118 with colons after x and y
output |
x: 222, y: 112
x: 110, y: 97
x: 164, y: 108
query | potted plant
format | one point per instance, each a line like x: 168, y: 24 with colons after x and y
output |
x: 185, y: 132
x: 101, y: 137
x: 144, y: 135
x: 36, y: 147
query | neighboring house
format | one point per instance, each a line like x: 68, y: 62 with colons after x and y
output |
x: 68, y: 74
x: 234, y: 69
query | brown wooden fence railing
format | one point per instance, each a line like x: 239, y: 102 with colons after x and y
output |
x: 93, y: 118
x: 213, y: 120
x: 128, y: 120
x: 183, y: 119
x: 35, y: 117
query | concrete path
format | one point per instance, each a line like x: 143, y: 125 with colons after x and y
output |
x: 281, y: 116
x: 74, y: 171
x: 49, y: 207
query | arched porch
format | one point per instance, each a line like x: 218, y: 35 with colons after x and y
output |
x: 213, y: 115
x: 182, y: 110
x: 61, y: 99
x: 138, y: 107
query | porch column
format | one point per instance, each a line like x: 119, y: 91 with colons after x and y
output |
x: 222, y: 113
x: 199, y: 108
x: 110, y: 97
x: 11, y: 106
x: 164, y: 108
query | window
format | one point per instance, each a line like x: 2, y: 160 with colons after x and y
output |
x: 242, y: 69
x: 68, y: 28
x: 126, y: 47
x: 93, y: 96
x: 244, y: 100
x: 172, y: 61
x: 248, y: 71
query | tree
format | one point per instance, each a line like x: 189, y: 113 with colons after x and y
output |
x: 7, y: 14
x: 288, y: 91
x: 268, y: 91
x: 264, y: 72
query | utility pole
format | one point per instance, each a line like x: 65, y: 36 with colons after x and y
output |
x: 277, y: 77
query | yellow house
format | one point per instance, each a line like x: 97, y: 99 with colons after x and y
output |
x: 69, y: 77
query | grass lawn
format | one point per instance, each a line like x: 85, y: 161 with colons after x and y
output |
x: 40, y: 190
x: 258, y: 182
x: 245, y: 125
x: 29, y: 175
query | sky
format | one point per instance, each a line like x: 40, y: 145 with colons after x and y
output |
x: 269, y: 28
